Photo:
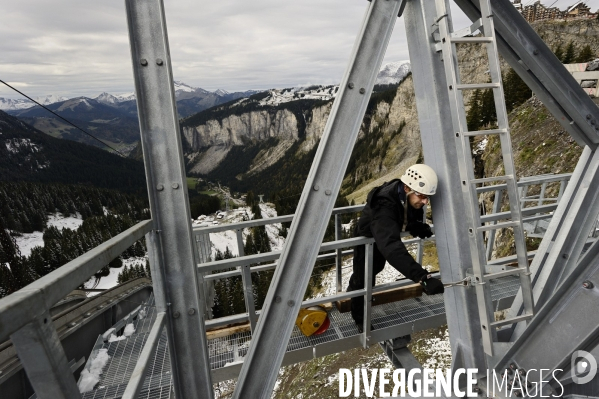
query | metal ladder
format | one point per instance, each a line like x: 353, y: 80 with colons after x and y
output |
x: 482, y: 272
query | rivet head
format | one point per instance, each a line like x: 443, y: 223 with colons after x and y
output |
x: 278, y: 299
x: 316, y: 188
x: 588, y: 116
x: 587, y: 284
x: 362, y: 90
x: 536, y: 52
x: 159, y: 61
x: 350, y: 85
x: 328, y: 192
x: 191, y: 311
x: 176, y: 314
x: 159, y: 187
x: 143, y: 62
x: 565, y: 256
x: 175, y: 185
x: 291, y: 303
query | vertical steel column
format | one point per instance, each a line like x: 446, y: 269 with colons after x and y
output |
x: 539, y: 203
x: 440, y: 153
x: 44, y: 360
x: 369, y: 248
x: 566, y: 234
x: 261, y: 365
x: 169, y: 203
x: 491, y: 238
x: 246, y: 279
x: 339, y: 254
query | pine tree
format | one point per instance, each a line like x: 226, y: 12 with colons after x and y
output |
x: 559, y: 53
x: 570, y: 54
x: 473, y: 117
x: 515, y: 90
x: 585, y: 55
x: 488, y: 114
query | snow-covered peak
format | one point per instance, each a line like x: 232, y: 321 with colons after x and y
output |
x: 126, y: 97
x: 393, y: 72
x: 50, y: 99
x: 106, y: 98
x: 221, y: 92
x: 8, y: 104
x: 315, y: 92
x: 180, y: 86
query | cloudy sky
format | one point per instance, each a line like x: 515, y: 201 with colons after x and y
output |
x: 81, y: 47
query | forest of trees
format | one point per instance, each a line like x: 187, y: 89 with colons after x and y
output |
x: 25, y: 207
x: 229, y: 297
x: 481, y: 110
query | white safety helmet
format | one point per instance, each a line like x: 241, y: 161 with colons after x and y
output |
x: 420, y: 178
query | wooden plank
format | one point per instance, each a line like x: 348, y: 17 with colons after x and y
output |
x: 228, y: 330
x: 236, y: 328
x: 388, y: 296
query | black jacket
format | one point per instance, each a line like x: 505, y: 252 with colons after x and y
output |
x: 383, y: 218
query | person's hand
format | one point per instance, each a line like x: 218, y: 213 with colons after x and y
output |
x: 420, y: 230
x: 432, y: 285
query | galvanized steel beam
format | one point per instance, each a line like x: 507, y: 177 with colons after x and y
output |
x: 568, y: 322
x: 260, y: 367
x: 437, y: 137
x: 169, y: 202
x: 44, y: 360
x: 540, y: 69
x: 566, y: 235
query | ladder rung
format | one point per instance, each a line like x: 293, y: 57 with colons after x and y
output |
x: 513, y: 320
x: 490, y: 179
x: 472, y: 39
x: 484, y: 132
x: 498, y: 226
x: 472, y: 86
x: 509, y: 272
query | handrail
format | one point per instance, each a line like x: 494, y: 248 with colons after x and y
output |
x: 20, y: 307
x: 523, y: 182
x: 268, y: 256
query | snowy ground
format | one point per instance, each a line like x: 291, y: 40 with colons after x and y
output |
x: 30, y: 240
x: 111, y: 280
x: 228, y: 239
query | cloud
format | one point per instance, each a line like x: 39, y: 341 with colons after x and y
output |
x: 74, y: 47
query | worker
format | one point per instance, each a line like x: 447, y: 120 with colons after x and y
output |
x: 390, y: 209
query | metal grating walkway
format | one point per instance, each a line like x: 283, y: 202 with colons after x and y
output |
x: 229, y: 351
x: 123, y: 358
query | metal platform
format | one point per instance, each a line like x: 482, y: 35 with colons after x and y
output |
x: 226, y: 353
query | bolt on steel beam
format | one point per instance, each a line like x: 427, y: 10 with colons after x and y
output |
x: 436, y: 131
x: 169, y: 202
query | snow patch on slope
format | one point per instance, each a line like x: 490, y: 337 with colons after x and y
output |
x: 28, y: 241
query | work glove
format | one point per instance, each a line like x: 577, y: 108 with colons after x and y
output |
x: 432, y: 285
x: 419, y: 229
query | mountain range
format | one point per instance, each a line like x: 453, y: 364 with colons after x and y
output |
x: 27, y: 154
x: 113, y: 118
